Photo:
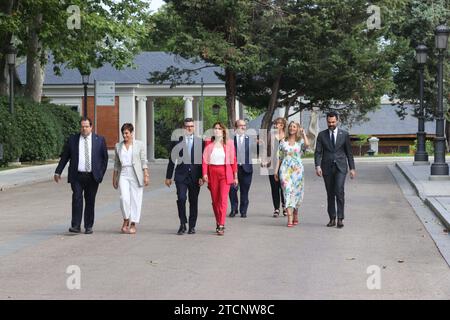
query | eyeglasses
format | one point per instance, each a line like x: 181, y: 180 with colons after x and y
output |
x: 188, y: 126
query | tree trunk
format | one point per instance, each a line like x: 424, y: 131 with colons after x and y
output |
x: 6, y: 8
x: 286, y: 112
x: 230, y: 87
x: 267, y: 119
x: 35, y: 73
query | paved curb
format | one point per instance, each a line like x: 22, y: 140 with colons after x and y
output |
x: 431, y: 202
x: 415, y: 183
x: 441, y: 212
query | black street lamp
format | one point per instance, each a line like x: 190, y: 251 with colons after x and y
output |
x: 421, y: 156
x: 11, y: 61
x: 439, y: 167
x: 85, y: 80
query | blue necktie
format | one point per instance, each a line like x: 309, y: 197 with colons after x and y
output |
x: 189, y: 144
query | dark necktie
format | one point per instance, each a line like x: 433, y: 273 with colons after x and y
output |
x: 332, y: 139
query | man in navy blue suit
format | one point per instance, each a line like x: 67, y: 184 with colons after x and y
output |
x: 242, y: 145
x: 88, y: 158
x: 186, y: 160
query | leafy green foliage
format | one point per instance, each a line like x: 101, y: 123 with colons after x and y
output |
x: 415, y: 25
x: 274, y: 52
x: 169, y: 115
x: 9, y: 134
x: 36, y: 131
x: 362, y: 141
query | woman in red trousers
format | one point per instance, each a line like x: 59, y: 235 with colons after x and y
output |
x: 219, y: 171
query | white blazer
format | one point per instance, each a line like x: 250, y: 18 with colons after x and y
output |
x: 139, y: 160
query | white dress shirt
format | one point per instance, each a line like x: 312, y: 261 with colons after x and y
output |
x: 335, y: 131
x: 81, y: 155
x: 217, y: 156
x: 126, y: 156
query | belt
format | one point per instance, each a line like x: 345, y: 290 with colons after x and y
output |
x: 84, y: 173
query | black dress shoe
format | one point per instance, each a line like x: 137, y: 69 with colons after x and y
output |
x: 332, y: 223
x: 233, y: 213
x: 340, y: 224
x: 75, y: 230
x: 191, y: 231
x: 243, y: 215
x: 88, y: 231
x: 182, y: 229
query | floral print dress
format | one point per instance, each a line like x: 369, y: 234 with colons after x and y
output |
x: 291, y: 172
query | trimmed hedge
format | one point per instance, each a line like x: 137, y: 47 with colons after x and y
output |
x: 10, y: 137
x: 36, y: 131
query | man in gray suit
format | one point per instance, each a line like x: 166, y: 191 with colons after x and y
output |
x: 333, y: 154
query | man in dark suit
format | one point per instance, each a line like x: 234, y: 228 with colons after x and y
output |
x: 333, y: 154
x: 245, y: 170
x: 186, y: 160
x: 88, y: 157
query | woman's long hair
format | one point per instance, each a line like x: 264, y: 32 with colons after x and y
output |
x: 224, y: 132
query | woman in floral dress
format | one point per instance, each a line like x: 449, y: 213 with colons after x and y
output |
x: 290, y: 169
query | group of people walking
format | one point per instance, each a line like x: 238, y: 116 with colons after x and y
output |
x: 225, y: 165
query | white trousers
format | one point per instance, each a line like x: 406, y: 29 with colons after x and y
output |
x: 130, y: 195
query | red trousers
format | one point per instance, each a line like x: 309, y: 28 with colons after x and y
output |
x: 217, y: 184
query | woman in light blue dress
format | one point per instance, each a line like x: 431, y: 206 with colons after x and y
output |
x: 290, y: 169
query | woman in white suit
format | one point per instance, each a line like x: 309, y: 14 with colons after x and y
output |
x: 130, y: 175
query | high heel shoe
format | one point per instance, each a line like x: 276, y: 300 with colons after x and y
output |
x: 220, y: 230
x: 284, y: 212
x: 295, y: 222
x: 290, y: 223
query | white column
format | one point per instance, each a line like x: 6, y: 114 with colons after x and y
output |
x: 241, y: 111
x: 236, y: 109
x: 151, y: 129
x: 198, y: 124
x: 141, y: 125
x: 188, y: 112
x: 126, y: 111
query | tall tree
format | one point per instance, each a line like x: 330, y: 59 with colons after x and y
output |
x: 215, y: 31
x: 94, y: 33
x: 9, y: 24
x: 323, y: 51
x: 416, y: 25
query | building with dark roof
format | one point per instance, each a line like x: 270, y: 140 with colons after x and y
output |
x: 134, y: 94
x: 396, y: 135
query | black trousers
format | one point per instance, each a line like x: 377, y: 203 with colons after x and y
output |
x: 277, y: 193
x: 87, y: 186
x: 188, y: 189
x: 334, y: 183
x: 245, y: 181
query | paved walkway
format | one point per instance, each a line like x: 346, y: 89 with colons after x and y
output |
x: 258, y: 258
